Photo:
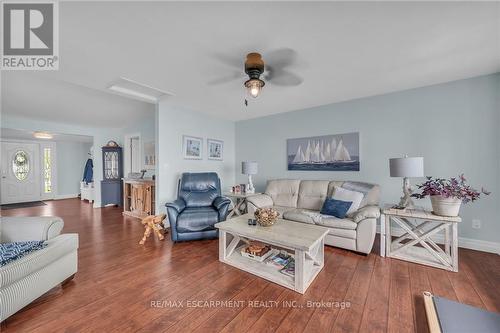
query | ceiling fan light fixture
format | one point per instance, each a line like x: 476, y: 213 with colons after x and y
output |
x: 254, y: 86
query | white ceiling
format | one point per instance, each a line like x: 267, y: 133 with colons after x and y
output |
x: 17, y: 134
x: 346, y: 51
x: 33, y: 95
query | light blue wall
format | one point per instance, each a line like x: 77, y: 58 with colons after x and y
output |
x: 455, y: 126
x: 173, y: 123
x: 71, y: 159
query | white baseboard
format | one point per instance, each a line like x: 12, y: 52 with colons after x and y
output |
x: 467, y: 243
x: 66, y: 196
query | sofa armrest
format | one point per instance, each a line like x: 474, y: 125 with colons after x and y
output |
x: 366, y: 213
x: 18, y: 229
x: 260, y: 200
x: 179, y: 205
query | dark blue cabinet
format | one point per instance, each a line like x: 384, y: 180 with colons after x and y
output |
x: 112, y: 171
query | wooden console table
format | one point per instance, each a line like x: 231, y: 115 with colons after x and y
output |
x: 418, y: 226
x: 138, y: 197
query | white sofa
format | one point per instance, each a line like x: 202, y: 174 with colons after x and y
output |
x: 27, y: 278
x: 301, y: 201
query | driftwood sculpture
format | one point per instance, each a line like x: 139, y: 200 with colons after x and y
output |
x: 152, y: 223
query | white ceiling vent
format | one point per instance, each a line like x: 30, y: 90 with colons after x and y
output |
x: 132, y: 89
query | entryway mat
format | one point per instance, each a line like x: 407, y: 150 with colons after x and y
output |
x: 22, y: 205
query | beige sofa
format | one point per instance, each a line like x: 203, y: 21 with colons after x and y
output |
x: 301, y: 201
x: 27, y: 278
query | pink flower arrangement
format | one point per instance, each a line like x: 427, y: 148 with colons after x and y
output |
x: 449, y: 188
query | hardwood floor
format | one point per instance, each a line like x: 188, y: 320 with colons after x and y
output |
x: 122, y: 286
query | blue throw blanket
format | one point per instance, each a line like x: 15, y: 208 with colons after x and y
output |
x: 13, y: 251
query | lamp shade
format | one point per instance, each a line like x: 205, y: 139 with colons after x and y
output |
x: 249, y: 168
x: 407, y: 167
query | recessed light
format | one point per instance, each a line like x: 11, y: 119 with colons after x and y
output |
x: 42, y: 135
x: 132, y: 93
x: 136, y: 90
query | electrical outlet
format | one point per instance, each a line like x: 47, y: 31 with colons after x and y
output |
x: 476, y: 224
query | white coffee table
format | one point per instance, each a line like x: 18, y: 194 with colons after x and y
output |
x: 305, y: 241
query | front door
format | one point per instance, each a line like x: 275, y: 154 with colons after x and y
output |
x: 20, y: 172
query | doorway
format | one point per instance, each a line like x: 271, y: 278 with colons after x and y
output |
x: 20, y: 173
x: 133, y: 153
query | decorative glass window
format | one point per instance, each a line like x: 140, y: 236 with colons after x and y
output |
x: 111, y: 165
x: 47, y: 170
x: 20, y: 165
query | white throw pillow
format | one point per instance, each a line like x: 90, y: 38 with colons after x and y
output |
x: 348, y: 195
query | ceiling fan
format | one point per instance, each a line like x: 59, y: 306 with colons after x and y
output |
x: 258, y: 72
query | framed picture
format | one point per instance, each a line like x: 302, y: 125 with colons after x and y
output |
x: 215, y: 149
x: 192, y: 147
x: 336, y: 152
x: 149, y: 155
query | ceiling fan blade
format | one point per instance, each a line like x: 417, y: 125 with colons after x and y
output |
x: 236, y: 63
x: 282, y: 77
x: 225, y: 79
x: 281, y: 58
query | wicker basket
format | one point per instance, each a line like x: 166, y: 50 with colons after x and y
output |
x: 266, y: 217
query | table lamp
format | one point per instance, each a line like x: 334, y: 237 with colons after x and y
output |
x: 249, y: 168
x: 406, y: 167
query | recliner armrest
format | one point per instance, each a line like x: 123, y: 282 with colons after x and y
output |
x: 18, y: 229
x: 179, y: 205
x: 366, y: 213
x: 260, y: 200
x: 220, y: 202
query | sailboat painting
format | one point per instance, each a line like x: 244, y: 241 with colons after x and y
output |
x: 339, y: 152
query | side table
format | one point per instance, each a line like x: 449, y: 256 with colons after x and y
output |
x: 418, y: 226
x: 239, y: 202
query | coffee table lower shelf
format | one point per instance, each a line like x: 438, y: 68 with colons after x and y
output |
x: 307, y: 263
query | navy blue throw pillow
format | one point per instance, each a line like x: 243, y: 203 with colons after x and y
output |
x: 337, y: 208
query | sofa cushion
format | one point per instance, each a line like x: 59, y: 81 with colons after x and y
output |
x: 284, y: 192
x: 350, y: 196
x: 371, y: 192
x: 332, y: 185
x: 282, y: 209
x: 56, y: 248
x: 197, y: 219
x: 312, y: 194
x: 345, y: 233
x: 300, y: 215
x: 333, y: 222
x: 337, y: 208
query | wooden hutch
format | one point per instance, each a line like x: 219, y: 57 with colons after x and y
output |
x: 139, y: 197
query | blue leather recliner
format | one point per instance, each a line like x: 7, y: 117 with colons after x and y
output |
x: 198, y: 207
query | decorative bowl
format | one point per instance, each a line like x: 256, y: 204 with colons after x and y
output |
x: 266, y: 217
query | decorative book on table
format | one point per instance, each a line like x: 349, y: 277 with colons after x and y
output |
x: 289, y: 269
x: 279, y: 260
